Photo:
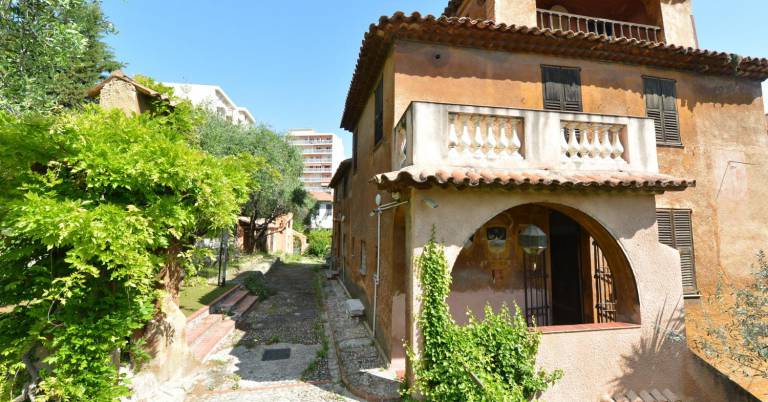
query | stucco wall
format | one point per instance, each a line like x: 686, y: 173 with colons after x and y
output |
x: 595, y: 362
x: 721, y: 119
x: 678, y: 23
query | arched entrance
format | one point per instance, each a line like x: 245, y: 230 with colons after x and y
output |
x: 583, y: 276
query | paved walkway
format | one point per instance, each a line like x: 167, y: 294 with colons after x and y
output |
x: 280, y: 350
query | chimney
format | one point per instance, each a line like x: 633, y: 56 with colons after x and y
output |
x: 514, y: 12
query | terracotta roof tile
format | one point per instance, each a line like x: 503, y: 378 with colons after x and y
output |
x: 489, y: 35
x: 321, y: 196
x: 340, y: 172
x: 423, y: 177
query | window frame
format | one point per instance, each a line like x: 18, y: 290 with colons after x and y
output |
x: 363, y: 267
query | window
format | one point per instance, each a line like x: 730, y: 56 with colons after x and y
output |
x: 354, y: 151
x: 661, y: 106
x: 562, y: 88
x: 676, y: 231
x: 363, y: 267
x: 379, y: 117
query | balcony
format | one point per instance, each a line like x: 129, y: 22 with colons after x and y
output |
x: 548, y: 19
x: 442, y: 135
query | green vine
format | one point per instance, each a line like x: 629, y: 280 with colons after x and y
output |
x: 487, y: 360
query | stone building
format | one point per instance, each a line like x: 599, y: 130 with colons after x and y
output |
x: 120, y: 91
x: 601, y: 124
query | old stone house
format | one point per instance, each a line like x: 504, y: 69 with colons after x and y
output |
x: 601, y: 126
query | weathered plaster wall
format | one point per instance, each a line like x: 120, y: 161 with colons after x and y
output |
x: 372, y: 159
x: 678, y: 23
x: 721, y: 118
x: 515, y: 12
x: 118, y: 94
x: 595, y: 362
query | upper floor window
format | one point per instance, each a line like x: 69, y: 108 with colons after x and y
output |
x: 562, y: 88
x: 354, y: 151
x: 379, y: 114
x: 676, y: 231
x: 661, y: 106
x: 363, y: 268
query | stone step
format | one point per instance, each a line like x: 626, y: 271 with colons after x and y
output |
x: 194, y: 332
x: 242, y: 307
x: 231, y: 301
x: 199, y: 315
x: 212, y: 338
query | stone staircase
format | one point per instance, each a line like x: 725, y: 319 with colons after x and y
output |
x: 208, y: 327
x: 644, y: 396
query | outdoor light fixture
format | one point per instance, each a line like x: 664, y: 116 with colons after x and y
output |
x: 532, y: 240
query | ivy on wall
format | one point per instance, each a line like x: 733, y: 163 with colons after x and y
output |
x: 493, y: 359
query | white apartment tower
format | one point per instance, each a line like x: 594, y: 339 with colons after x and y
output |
x: 213, y: 98
x: 322, y: 152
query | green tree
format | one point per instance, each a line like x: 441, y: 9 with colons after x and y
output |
x: 736, y: 320
x: 51, y: 51
x: 96, y: 212
x: 280, y: 190
x: 319, y: 242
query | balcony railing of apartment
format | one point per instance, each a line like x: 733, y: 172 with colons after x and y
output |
x: 310, y: 142
x: 315, y: 179
x: 316, y: 151
x: 326, y: 170
x: 504, y: 138
x: 317, y: 160
x: 548, y: 19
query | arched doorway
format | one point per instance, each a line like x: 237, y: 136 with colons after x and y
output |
x: 583, y: 276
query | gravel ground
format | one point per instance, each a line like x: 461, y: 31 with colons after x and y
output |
x: 292, y: 319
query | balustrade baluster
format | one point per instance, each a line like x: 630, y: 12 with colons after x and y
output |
x: 597, y: 148
x: 573, y: 144
x: 585, y: 147
x: 618, y: 147
x: 607, y: 149
x: 504, y: 147
x: 466, y: 140
x: 453, y: 138
x: 516, y: 144
x: 491, y: 138
x: 564, y: 141
x: 478, y: 140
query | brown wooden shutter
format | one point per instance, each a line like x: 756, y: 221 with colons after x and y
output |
x: 379, y: 110
x: 562, y: 88
x: 669, y: 108
x: 661, y: 106
x: 553, y: 88
x: 572, y: 89
x: 676, y: 231
x: 653, y: 105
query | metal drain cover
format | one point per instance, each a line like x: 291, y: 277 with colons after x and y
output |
x: 276, y: 354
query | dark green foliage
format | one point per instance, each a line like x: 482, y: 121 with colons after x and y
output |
x: 319, y: 242
x: 257, y: 285
x: 280, y: 190
x: 737, y: 324
x: 51, y: 51
x: 93, y: 204
x: 489, y: 360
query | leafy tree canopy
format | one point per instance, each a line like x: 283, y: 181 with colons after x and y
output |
x: 92, y: 206
x: 280, y: 190
x: 51, y: 51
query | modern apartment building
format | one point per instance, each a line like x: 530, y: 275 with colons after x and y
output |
x: 322, y: 154
x: 215, y: 99
x: 596, y: 130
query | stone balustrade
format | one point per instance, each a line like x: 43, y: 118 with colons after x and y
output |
x: 432, y: 134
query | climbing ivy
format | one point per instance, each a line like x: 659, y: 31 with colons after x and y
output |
x: 94, y: 206
x: 487, y: 360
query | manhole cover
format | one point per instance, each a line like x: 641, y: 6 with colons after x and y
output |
x: 276, y: 354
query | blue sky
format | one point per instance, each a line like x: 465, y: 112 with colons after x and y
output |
x: 290, y: 62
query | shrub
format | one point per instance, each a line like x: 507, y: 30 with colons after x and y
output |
x: 257, y: 285
x: 319, y: 242
x: 94, y: 207
x: 489, y: 360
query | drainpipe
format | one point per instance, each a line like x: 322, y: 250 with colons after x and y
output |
x: 378, y: 211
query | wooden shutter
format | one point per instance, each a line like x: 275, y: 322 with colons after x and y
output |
x: 562, y: 88
x: 669, y: 109
x: 653, y: 105
x: 661, y: 106
x: 379, y: 117
x: 553, y: 89
x: 676, y: 230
